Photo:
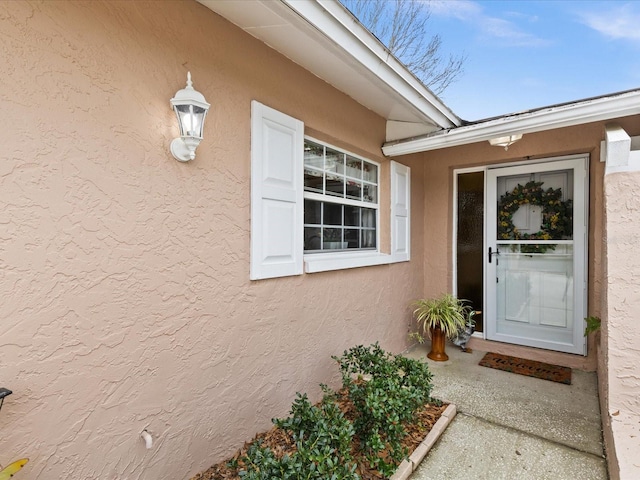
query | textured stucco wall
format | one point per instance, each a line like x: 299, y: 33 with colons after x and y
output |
x: 126, y: 300
x: 621, y: 337
x: 438, y: 207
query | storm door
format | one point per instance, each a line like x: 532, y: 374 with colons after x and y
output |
x: 535, y: 261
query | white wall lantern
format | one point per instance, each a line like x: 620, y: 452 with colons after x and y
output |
x: 505, y: 142
x: 191, y: 109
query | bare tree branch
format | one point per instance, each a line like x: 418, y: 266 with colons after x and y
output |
x: 402, y: 25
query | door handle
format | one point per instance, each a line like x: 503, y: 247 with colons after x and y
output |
x: 497, y: 252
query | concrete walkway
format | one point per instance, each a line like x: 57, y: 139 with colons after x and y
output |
x: 513, y: 427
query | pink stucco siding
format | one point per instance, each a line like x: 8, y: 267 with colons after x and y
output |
x: 620, y: 373
x: 126, y: 300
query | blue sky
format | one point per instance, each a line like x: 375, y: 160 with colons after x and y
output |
x: 525, y: 54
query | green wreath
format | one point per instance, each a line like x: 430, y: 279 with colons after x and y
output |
x: 557, y: 215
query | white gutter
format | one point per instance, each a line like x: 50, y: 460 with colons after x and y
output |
x: 336, y: 23
x: 593, y: 110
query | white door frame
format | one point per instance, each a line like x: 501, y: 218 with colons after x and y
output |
x: 582, y: 202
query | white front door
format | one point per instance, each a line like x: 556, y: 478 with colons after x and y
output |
x: 536, y: 254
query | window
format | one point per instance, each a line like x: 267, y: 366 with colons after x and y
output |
x: 315, y: 208
x: 340, y: 200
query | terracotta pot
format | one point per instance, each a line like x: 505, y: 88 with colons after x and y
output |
x: 438, y: 340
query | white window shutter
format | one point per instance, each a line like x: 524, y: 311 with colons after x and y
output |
x: 277, y: 143
x: 400, y: 212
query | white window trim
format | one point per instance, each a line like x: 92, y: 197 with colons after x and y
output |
x: 323, y: 262
x: 309, y: 257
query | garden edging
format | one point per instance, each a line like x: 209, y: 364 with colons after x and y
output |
x: 408, y: 466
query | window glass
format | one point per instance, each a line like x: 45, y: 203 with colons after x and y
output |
x: 352, y: 216
x: 312, y: 238
x: 312, y: 212
x: 352, y: 237
x: 354, y: 190
x: 370, y: 173
x: 370, y: 194
x: 332, y: 214
x: 314, y: 155
x: 313, y: 167
x: 354, y: 167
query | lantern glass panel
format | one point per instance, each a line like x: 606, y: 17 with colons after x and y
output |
x: 191, y: 120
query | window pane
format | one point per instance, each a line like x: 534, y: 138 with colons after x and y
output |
x: 370, y: 193
x: 332, y: 214
x: 334, y: 161
x: 332, y: 239
x: 313, y: 180
x: 312, y: 238
x: 312, y: 212
x: 368, y: 218
x: 370, y: 172
x: 334, y: 167
x: 313, y: 155
x: 352, y: 237
x: 335, y: 185
x: 368, y: 238
x: 352, y: 216
x: 354, y: 167
x: 354, y: 190
x: 314, y: 163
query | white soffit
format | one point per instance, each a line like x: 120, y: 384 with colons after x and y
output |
x: 548, y: 118
x: 325, y: 39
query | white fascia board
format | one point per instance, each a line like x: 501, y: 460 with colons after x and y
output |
x: 336, y: 23
x: 604, y: 108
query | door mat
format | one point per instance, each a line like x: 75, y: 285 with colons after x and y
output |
x: 531, y: 368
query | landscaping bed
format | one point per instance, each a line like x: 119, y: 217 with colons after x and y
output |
x: 280, y: 442
x: 363, y: 431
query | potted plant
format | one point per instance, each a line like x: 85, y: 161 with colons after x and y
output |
x: 439, y: 318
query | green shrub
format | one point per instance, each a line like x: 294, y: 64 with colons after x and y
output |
x: 396, y: 387
x: 323, y: 439
x: 386, y: 391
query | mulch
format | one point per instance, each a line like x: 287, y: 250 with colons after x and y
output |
x: 530, y: 368
x: 281, y: 443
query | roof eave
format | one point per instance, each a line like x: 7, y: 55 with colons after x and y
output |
x: 354, y: 60
x: 578, y: 113
x: 336, y: 22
